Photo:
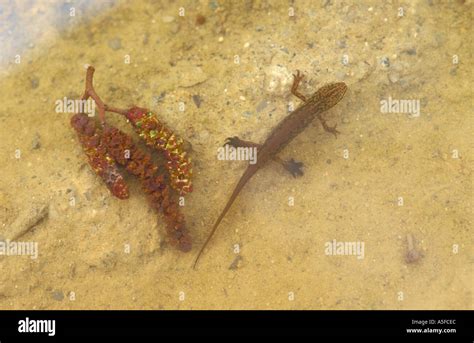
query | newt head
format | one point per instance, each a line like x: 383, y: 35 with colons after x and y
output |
x: 329, y: 95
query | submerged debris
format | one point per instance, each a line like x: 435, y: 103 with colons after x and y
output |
x: 236, y: 263
x: 26, y: 221
x: 412, y: 255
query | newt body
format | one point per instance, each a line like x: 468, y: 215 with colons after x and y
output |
x: 322, y: 100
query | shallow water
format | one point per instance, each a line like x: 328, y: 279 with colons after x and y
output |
x: 389, y: 178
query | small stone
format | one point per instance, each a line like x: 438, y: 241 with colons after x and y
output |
x: 200, y: 20
x: 236, y: 263
x: 175, y: 28
x: 410, y: 51
x: 167, y: 19
x: 394, y: 77
x: 36, y: 143
x: 213, y: 5
x: 34, y: 82
x: 197, y: 100
x: 115, y: 43
x: 146, y: 37
x: 385, y: 62
x: 342, y: 44
x: 261, y: 106
x: 57, y: 295
x: 158, y: 98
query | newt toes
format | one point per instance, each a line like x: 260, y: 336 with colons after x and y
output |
x: 231, y: 141
x: 236, y: 142
x: 322, y: 100
x: 294, y: 167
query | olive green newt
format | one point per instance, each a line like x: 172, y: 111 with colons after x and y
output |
x: 293, y: 124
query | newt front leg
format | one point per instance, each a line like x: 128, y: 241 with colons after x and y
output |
x: 297, y: 78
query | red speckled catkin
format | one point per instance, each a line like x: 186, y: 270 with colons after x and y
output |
x: 106, y: 145
x: 121, y: 147
x: 157, y: 135
x: 99, y: 159
x: 103, y: 147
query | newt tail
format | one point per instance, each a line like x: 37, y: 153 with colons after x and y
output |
x: 249, y: 172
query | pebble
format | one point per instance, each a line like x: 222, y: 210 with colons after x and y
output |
x: 115, y: 43
x: 342, y: 44
x: 34, y: 82
x: 261, y: 106
x: 146, y: 37
x: 197, y: 100
x: 57, y: 295
x: 385, y: 62
x: 167, y: 19
x: 277, y: 79
x: 236, y: 263
x: 200, y: 20
x: 175, y: 28
x: 36, y: 143
x: 411, y: 51
x: 394, y: 77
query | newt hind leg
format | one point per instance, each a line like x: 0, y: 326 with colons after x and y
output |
x: 294, y: 167
x: 330, y: 129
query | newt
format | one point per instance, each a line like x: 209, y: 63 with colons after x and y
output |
x: 293, y: 124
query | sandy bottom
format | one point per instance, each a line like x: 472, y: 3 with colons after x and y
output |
x: 397, y: 184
